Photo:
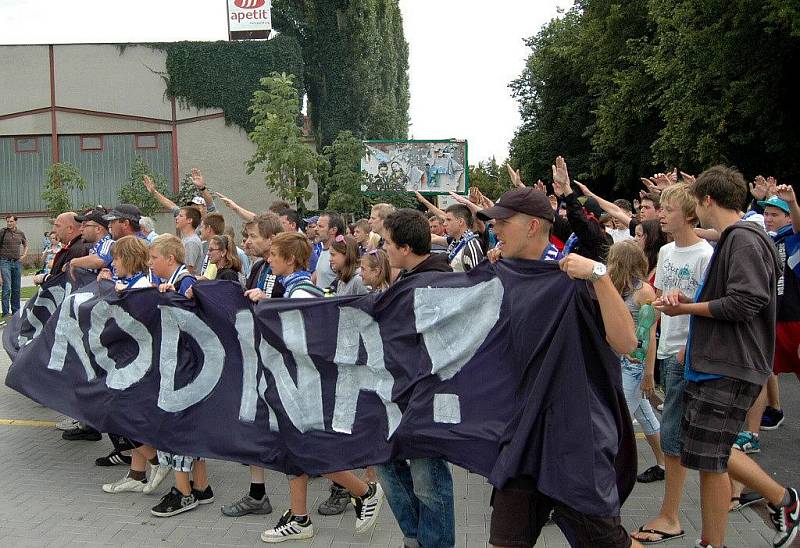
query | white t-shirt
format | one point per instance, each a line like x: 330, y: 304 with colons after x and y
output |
x: 619, y: 234
x: 680, y: 268
x: 325, y: 274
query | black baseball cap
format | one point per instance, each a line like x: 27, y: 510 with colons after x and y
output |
x: 95, y: 214
x: 124, y: 211
x: 526, y: 200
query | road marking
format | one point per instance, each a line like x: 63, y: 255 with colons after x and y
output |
x: 27, y: 422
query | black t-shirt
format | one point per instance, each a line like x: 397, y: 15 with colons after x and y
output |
x: 227, y: 274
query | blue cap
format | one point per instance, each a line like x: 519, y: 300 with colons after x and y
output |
x: 774, y: 201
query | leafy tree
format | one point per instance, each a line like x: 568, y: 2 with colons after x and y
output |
x: 287, y: 161
x: 342, y: 187
x: 134, y: 192
x: 62, y: 179
x: 490, y: 178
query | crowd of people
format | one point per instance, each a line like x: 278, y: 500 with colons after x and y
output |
x: 686, y: 270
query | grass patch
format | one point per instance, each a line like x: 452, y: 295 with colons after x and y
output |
x: 28, y: 292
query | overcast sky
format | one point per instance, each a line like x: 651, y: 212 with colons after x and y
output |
x: 463, y: 52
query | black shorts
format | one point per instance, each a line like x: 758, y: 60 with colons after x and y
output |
x: 519, y: 512
x: 714, y: 413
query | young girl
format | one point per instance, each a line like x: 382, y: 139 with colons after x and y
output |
x: 627, y: 267
x: 130, y: 258
x: 222, y: 253
x: 651, y: 239
x: 376, y: 271
x: 344, y: 261
x: 167, y: 256
x: 288, y: 257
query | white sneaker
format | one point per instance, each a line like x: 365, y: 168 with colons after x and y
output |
x: 68, y: 423
x: 368, y: 507
x: 124, y: 485
x: 288, y: 529
x: 157, y: 475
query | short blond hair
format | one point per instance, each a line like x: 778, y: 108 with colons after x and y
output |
x: 132, y: 253
x: 169, y: 244
x: 383, y: 210
x: 292, y: 244
x: 680, y: 195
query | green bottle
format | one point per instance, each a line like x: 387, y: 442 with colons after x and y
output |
x: 645, y: 321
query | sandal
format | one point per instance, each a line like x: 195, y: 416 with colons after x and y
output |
x: 664, y: 535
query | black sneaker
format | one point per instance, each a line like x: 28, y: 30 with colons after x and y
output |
x: 771, y: 419
x: 85, y: 433
x: 174, y: 503
x: 336, y: 503
x: 785, y: 519
x: 206, y: 496
x: 654, y: 473
x: 113, y: 458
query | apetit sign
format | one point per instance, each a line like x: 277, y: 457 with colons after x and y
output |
x: 249, y: 19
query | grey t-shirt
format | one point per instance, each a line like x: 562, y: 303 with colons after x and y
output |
x: 325, y: 274
x: 194, y: 252
x: 354, y: 287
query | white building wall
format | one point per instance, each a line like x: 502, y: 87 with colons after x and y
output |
x: 24, y: 78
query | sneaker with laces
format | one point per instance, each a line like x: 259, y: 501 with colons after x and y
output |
x: 654, y: 473
x: 125, y: 485
x: 785, y: 519
x: 368, y: 507
x: 206, y: 496
x: 158, y: 474
x: 174, y: 503
x: 336, y: 503
x: 289, y: 528
x: 747, y: 442
x: 67, y: 423
x: 247, y: 505
x: 114, y: 458
x: 771, y: 419
x: 81, y: 433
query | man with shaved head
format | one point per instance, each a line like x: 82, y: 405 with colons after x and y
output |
x: 68, y: 231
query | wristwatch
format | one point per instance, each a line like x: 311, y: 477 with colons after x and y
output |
x: 598, y: 272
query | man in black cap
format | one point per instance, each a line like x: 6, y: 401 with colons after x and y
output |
x: 523, y: 218
x: 123, y: 220
x: 94, y: 228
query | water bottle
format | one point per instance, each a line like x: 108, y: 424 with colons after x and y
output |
x: 645, y: 321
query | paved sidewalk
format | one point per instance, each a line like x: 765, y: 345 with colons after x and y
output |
x: 52, y: 497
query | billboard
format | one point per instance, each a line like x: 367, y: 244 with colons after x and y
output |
x: 431, y: 167
x: 249, y: 19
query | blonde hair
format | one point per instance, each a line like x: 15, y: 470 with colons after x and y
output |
x: 132, y: 253
x: 680, y: 195
x: 383, y: 210
x: 379, y: 259
x: 169, y: 244
x: 293, y: 244
x: 627, y: 265
x: 373, y: 240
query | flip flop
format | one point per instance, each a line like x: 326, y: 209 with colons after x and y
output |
x: 746, y: 500
x: 665, y: 537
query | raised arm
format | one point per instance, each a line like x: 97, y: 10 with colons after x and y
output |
x: 163, y: 200
x: 429, y: 206
x: 199, y: 182
x: 609, y: 207
x: 786, y: 193
x: 239, y: 210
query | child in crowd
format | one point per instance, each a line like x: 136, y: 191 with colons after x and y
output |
x: 130, y: 258
x: 361, y: 234
x: 167, y: 257
x: 376, y: 271
x: 222, y: 253
x: 344, y: 261
x: 627, y: 266
x: 288, y: 257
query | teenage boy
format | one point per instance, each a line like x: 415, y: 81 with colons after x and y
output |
x: 523, y: 219
x: 212, y: 225
x: 261, y: 284
x: 681, y: 265
x: 419, y: 491
x: 464, y: 249
x: 186, y: 222
x: 729, y: 356
x: 329, y: 226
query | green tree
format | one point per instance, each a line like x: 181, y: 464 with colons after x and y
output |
x: 282, y: 153
x: 490, y: 178
x: 134, y: 192
x: 342, y: 186
x: 62, y: 180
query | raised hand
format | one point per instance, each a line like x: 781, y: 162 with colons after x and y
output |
x: 584, y: 188
x: 758, y: 188
x: 688, y: 179
x: 662, y: 181
x: 540, y: 186
x: 515, y: 176
x: 149, y: 184
x: 772, y: 185
x: 561, y: 176
x: 227, y: 201
x: 474, y: 195
x: 649, y: 184
x: 553, y: 202
x: 197, y: 178
x: 786, y: 193
x: 673, y: 177
x: 636, y: 204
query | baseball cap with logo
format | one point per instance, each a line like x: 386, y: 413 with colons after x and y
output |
x: 124, y: 211
x: 94, y: 214
x: 528, y: 201
x: 774, y: 201
x: 197, y: 200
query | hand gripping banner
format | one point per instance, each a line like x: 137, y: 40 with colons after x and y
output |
x: 503, y: 370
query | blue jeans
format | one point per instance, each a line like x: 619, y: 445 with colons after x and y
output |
x: 420, y: 494
x: 638, y: 406
x: 11, y: 270
x: 671, y: 417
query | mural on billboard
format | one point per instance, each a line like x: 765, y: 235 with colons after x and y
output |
x: 406, y: 166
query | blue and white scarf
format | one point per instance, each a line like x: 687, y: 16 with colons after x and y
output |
x: 456, y: 247
x: 294, y: 279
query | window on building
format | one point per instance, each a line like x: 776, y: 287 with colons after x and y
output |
x: 91, y: 142
x: 146, y: 140
x: 26, y: 144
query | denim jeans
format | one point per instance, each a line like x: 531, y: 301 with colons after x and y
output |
x: 638, y: 406
x: 420, y: 494
x: 671, y: 417
x: 11, y: 270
